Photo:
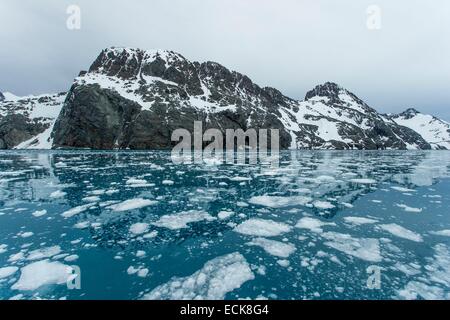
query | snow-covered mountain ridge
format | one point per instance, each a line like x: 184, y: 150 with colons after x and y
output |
x: 131, y: 98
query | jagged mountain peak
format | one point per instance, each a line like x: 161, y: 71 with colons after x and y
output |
x: 408, y: 113
x: 328, y: 89
x: 334, y: 94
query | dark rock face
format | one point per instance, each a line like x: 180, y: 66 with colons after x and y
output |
x: 16, y: 128
x: 2, y: 97
x: 100, y: 118
x: 25, y: 118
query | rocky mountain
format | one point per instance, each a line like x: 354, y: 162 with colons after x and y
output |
x: 2, y: 97
x: 27, y: 122
x: 130, y: 98
x: 432, y: 129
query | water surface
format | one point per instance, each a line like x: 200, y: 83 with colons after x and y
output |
x: 138, y: 226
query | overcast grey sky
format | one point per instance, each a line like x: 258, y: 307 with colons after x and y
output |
x: 291, y: 45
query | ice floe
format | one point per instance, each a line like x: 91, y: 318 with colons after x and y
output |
x: 6, y: 272
x: 182, y: 219
x: 279, y: 202
x: 39, y: 213
x: 44, y: 253
x: 313, y: 224
x: 359, y: 220
x: 363, y: 248
x: 218, y: 277
x: 262, y: 228
x: 139, y: 228
x: 401, y: 232
x: 409, y: 209
x: 435, y: 283
x: 74, y: 211
x: 444, y: 233
x: 41, y: 273
x: 272, y: 247
x: 132, y: 204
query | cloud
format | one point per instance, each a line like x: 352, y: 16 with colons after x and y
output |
x: 288, y: 44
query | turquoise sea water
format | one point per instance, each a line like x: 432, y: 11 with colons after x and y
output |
x: 138, y: 226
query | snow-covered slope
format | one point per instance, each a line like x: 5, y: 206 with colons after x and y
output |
x: 435, y: 131
x: 332, y: 117
x: 27, y: 122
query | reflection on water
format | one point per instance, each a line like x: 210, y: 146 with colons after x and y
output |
x: 139, y: 226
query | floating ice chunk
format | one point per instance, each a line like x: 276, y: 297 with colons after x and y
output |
x: 359, y: 220
x: 6, y: 272
x: 151, y: 235
x: 363, y: 248
x: 240, y: 179
x: 91, y: 199
x: 140, y: 253
x: 436, y: 281
x: 283, y: 262
x: 315, y: 225
x: 363, y: 181
x: 242, y: 204
x: 133, y: 204
x: 409, y: 209
x: 406, y: 269
x: 71, y: 258
x: 44, y: 253
x: 415, y: 289
x: 402, y: 189
x: 142, y: 272
x: 222, y: 215
x: 139, y: 228
x: 218, y: 277
x: 272, y: 247
x: 40, y: 273
x: 81, y: 225
x: 262, y: 228
x: 26, y: 234
x: 279, y: 202
x: 57, y: 194
x: 444, y: 233
x: 167, y: 182
x: 138, y: 183
x: 401, y: 232
x: 39, y: 213
x: 323, y: 205
x: 3, y: 248
x: 182, y: 219
x: 74, y: 211
x: 16, y: 257
x: 132, y: 270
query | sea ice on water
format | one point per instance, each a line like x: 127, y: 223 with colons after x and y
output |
x: 262, y: 228
x: 313, y: 224
x: 182, y: 219
x: 139, y: 228
x: 40, y: 273
x: 39, y: 213
x: 218, y: 277
x: 7, y: 272
x: 272, y: 247
x: 363, y: 248
x: 359, y: 220
x: 401, y: 232
x: 279, y: 202
x: 132, y: 204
